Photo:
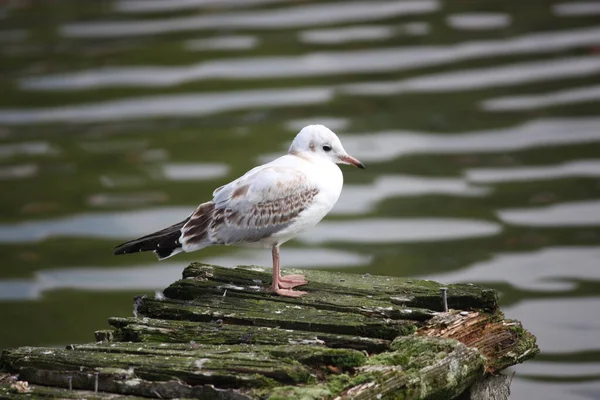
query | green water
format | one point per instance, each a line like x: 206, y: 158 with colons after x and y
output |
x: 479, y: 123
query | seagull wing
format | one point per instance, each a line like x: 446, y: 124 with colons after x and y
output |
x: 255, y: 206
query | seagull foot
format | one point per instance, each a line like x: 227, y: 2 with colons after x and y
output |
x: 291, y: 281
x: 290, y: 285
x: 289, y: 292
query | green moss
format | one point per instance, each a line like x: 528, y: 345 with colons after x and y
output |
x: 168, y: 331
x: 311, y: 355
x: 414, y: 351
x: 299, y: 392
x: 341, y: 382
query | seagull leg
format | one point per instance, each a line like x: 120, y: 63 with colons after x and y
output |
x: 281, y: 287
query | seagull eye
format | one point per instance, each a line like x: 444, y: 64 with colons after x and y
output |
x: 327, y: 147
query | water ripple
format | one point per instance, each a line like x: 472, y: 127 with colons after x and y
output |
x: 290, y: 17
x: 478, y: 21
x: 579, y: 168
x: 387, y: 145
x: 348, y: 34
x: 153, y: 6
x: 195, y: 172
x: 358, y: 61
x: 156, y: 275
x: 177, y: 105
x: 229, y: 43
x: 399, y: 230
x: 560, y: 327
x: 540, y: 271
x: 482, y: 78
x: 126, y: 225
x: 362, y: 199
x: 535, y: 102
x: 579, y: 213
x: 577, y: 9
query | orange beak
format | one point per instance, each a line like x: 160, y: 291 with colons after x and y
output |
x: 352, y: 161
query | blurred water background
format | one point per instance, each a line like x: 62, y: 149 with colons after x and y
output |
x: 479, y: 122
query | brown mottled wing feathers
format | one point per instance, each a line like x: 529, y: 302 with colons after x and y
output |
x: 251, y: 208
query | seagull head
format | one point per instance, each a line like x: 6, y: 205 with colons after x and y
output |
x: 320, y: 141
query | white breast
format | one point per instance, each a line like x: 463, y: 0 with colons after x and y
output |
x: 328, y: 178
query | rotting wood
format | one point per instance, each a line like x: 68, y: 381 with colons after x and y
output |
x: 502, y: 342
x: 168, y: 331
x: 335, y: 290
x: 220, y: 334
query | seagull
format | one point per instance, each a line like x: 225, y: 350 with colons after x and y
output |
x: 265, y: 207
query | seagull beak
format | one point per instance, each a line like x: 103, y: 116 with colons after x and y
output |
x: 352, y: 161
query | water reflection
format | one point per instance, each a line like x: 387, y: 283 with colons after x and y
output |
x: 228, y: 43
x: 481, y: 78
x: 153, y: 6
x: 534, y: 102
x: 580, y: 213
x: 26, y: 148
x: 290, y: 17
x: 556, y: 319
x: 554, y: 390
x: 396, y: 230
x: 158, y: 274
x: 355, y: 61
x: 576, y: 9
x: 292, y: 257
x: 18, y: 171
x: 542, y: 370
x: 92, y: 278
x: 13, y: 35
x: 387, y: 145
x: 359, y: 33
x: 114, y: 225
x: 111, y: 147
x: 176, y: 105
x: 362, y: 199
x: 478, y: 21
x: 580, y: 168
x: 194, y: 172
x: 542, y: 270
x: 127, y: 199
x: 122, y: 181
x: 333, y: 123
x: 123, y: 225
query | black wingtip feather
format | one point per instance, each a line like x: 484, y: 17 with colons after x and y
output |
x: 164, y: 242
x: 163, y: 253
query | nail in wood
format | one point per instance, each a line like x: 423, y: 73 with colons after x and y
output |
x: 444, y: 291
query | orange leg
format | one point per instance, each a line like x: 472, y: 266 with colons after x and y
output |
x: 283, y: 285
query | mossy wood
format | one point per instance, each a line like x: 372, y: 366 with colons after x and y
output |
x: 220, y: 334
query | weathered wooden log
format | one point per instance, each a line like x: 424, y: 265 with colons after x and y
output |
x: 219, y: 333
x: 168, y: 331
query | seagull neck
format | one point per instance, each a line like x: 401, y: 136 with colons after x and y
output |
x: 300, y: 154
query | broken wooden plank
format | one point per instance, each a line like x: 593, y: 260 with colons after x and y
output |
x: 169, y: 331
x: 335, y: 291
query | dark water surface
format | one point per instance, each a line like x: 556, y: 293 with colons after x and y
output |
x: 479, y: 122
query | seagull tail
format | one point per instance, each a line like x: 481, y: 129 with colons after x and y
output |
x: 165, y: 243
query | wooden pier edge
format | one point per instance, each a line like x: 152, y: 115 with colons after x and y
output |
x: 219, y: 333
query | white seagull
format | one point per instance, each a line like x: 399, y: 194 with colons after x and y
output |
x: 266, y: 207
